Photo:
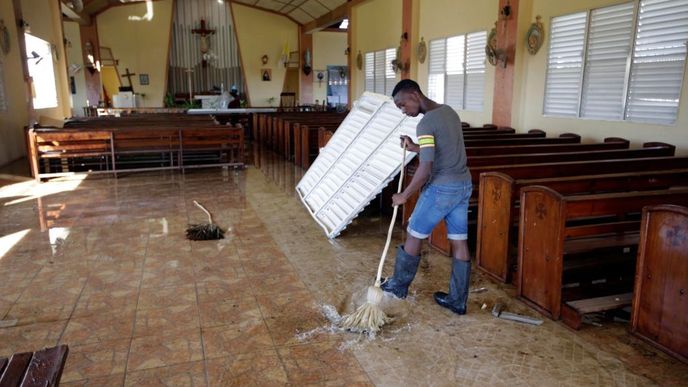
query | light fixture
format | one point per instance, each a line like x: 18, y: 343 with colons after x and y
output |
x: 35, y: 56
x: 307, y: 62
x: 505, y: 12
x: 92, y: 64
x: 24, y: 26
x: 344, y: 24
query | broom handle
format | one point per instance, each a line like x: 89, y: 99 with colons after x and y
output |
x: 391, y: 224
x: 199, y: 205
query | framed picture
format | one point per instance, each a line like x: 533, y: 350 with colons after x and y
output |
x: 143, y: 79
x: 266, y: 74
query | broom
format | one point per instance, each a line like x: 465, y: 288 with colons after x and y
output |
x: 204, y: 232
x: 369, y: 317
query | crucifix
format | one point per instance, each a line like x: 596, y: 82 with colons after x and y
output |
x: 205, y: 44
x: 129, y: 75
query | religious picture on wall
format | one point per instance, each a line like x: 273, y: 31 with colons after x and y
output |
x: 266, y: 74
x: 143, y: 79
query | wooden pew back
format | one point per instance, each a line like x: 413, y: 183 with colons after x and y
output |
x: 498, y: 207
x: 547, y: 226
x: 660, y: 311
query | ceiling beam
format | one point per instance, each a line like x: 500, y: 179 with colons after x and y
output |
x: 81, y: 17
x: 336, y: 15
x: 266, y: 10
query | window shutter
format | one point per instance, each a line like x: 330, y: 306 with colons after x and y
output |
x: 380, y: 72
x: 370, y: 71
x: 475, y: 70
x: 658, y: 61
x: 454, y: 87
x: 436, y: 68
x: 565, y: 65
x: 390, y: 76
x: 609, y: 45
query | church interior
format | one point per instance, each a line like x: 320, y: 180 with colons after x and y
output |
x: 127, y: 123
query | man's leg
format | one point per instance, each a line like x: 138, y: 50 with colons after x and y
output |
x: 460, y: 250
x: 457, y: 228
x: 413, y: 244
x: 422, y: 222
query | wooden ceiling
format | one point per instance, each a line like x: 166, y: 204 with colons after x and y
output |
x: 300, y: 11
x: 303, y: 12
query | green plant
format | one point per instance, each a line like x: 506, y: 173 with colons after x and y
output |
x: 194, y: 104
x: 168, y: 101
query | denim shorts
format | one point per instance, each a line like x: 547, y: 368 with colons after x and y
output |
x: 438, y: 202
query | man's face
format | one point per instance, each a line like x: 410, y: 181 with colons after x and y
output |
x: 408, y: 102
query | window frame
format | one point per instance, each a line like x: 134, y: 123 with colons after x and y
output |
x: 47, y: 79
x: 386, y: 69
x: 463, y: 66
x: 627, y: 75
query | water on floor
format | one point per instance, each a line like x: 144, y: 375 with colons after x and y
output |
x: 101, y: 264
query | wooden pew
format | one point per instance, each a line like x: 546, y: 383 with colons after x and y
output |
x: 146, y: 142
x: 47, y: 144
x: 573, y: 168
x: 438, y: 238
x: 440, y: 241
x: 492, y: 150
x: 498, y: 207
x: 292, y: 135
x: 40, y: 368
x: 196, y: 142
x: 566, y: 138
x: 660, y: 311
x: 503, y: 135
x: 583, y: 239
x: 131, y: 143
x: 648, y: 150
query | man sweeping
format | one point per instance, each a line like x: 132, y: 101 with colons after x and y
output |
x: 446, y: 189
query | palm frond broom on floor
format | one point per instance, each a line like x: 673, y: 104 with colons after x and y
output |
x: 370, y: 317
x: 204, y: 231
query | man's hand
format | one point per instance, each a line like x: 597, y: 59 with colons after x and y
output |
x: 399, y: 199
x: 409, y: 144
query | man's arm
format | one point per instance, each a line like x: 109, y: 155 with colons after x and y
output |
x: 419, y: 179
x: 409, y: 144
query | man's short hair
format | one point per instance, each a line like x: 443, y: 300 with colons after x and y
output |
x: 406, y: 85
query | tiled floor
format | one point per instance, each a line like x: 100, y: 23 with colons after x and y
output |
x: 102, y: 265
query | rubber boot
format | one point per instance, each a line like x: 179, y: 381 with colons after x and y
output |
x: 405, y: 268
x: 458, y: 287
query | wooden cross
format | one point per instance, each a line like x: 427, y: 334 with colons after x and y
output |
x: 129, y: 75
x: 203, y: 32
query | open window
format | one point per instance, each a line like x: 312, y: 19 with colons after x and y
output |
x: 40, y: 61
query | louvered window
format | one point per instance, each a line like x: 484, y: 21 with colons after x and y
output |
x: 475, y: 70
x: 623, y: 62
x: 379, y: 76
x: 457, y: 71
x: 565, y: 67
x: 658, y: 63
x: 370, y: 71
x: 609, y: 42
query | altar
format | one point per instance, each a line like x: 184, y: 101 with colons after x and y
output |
x: 209, y: 101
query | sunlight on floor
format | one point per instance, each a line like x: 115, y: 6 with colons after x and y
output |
x: 30, y: 190
x: 9, y: 241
